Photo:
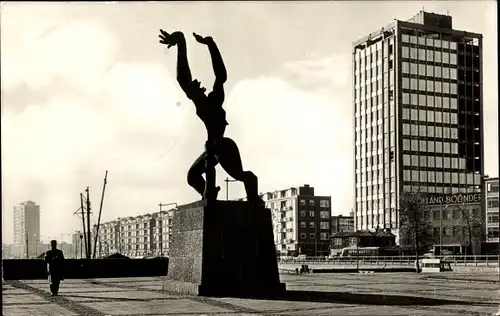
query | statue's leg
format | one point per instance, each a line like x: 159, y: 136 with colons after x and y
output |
x: 230, y: 160
x: 195, y: 174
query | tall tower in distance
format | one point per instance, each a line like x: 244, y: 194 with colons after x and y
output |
x: 417, y: 114
x: 27, y: 226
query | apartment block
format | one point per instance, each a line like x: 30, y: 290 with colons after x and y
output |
x: 301, y: 221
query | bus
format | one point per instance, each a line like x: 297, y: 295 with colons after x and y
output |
x: 388, y: 251
x: 360, y: 251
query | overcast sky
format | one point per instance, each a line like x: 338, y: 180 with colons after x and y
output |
x: 88, y: 88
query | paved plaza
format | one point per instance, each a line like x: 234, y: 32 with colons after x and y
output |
x: 311, y: 294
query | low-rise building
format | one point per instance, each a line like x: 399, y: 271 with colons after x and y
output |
x: 490, y: 204
x: 342, y: 223
x: 457, y: 220
x: 380, y: 238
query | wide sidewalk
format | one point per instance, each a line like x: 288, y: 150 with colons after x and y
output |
x: 311, y: 294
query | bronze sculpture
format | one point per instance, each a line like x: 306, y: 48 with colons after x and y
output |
x: 218, y: 149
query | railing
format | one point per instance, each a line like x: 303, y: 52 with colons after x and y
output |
x: 480, y: 260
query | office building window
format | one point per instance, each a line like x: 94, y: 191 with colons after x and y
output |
x: 405, y: 50
x: 453, y: 59
x: 324, y: 225
x: 437, y: 71
x: 430, y: 116
x: 453, y: 73
x: 406, y: 98
x: 453, y: 88
x: 438, y: 102
x: 453, y: 118
x: 413, y: 69
x: 421, y: 54
x: 438, y: 117
x: 406, y: 144
x: 446, y: 73
x: 405, y: 67
x: 430, y: 147
x: 437, y: 86
x: 446, y: 58
x: 430, y: 86
x: 421, y: 85
x: 423, y: 146
x: 446, y: 87
x: 421, y: 100
x: 413, y: 53
x: 430, y: 57
x: 437, y: 56
x: 414, y: 99
x: 430, y: 98
x: 312, y: 236
x: 446, y: 103
x: 422, y: 129
x: 430, y: 71
x: 406, y: 83
x: 406, y: 129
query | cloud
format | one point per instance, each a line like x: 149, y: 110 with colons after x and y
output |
x: 97, y: 114
x: 289, y: 136
x: 320, y: 73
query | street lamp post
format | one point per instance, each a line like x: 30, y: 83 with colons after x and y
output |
x: 227, y: 186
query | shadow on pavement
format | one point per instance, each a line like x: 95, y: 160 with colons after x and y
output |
x: 364, y: 299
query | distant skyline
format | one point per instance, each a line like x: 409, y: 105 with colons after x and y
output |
x: 86, y: 87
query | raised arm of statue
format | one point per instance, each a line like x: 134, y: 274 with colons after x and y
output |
x: 191, y: 88
x: 217, y: 64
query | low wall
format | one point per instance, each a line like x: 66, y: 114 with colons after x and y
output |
x: 33, y: 269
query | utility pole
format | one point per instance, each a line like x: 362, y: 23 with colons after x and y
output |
x: 84, y: 230
x: 100, y: 211
x: 227, y: 186
x: 89, y: 240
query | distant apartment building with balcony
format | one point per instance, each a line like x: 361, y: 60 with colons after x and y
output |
x: 301, y: 221
x: 133, y: 236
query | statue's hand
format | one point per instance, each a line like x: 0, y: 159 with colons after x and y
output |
x: 170, y: 39
x: 202, y: 40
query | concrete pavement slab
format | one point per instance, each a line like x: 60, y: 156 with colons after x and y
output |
x: 36, y: 310
x: 166, y: 307
x: 354, y: 294
x: 21, y: 299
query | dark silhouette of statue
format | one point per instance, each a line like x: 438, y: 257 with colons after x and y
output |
x: 218, y: 149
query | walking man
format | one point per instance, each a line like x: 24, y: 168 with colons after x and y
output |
x: 54, y: 258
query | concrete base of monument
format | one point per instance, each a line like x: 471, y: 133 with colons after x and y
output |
x: 223, y: 249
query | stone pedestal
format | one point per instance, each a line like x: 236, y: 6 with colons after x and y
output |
x: 224, y: 249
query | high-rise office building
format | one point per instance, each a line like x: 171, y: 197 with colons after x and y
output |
x: 27, y: 227
x: 417, y: 115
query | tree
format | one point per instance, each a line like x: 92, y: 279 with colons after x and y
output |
x: 414, y: 222
x: 472, y: 224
